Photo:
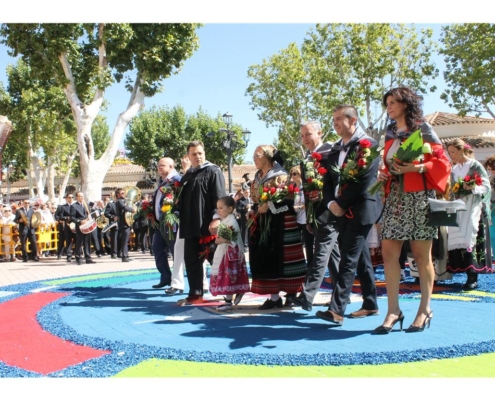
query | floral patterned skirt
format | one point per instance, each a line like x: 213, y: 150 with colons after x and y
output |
x: 405, y: 216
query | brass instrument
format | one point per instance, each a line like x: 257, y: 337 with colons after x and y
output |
x: 132, y: 196
x: 102, y: 221
x: 108, y: 227
x: 36, y: 219
x: 23, y: 216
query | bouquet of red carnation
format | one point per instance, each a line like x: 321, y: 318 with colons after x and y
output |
x: 357, y: 163
x: 275, y: 194
x: 146, y: 211
x: 314, y: 173
x: 470, y: 180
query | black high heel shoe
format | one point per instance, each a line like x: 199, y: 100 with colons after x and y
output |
x: 382, y: 329
x: 421, y: 328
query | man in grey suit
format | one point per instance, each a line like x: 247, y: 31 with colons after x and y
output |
x: 323, y: 227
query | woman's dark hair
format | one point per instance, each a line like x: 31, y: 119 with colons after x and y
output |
x: 490, y: 162
x: 228, y: 201
x: 414, y: 110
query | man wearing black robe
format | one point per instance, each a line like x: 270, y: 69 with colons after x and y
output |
x: 201, y: 187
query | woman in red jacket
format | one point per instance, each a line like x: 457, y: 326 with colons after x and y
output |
x: 405, y: 215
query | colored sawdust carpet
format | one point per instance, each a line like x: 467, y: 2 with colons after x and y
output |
x: 114, y: 324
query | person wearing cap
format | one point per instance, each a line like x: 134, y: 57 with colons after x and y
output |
x: 7, y: 222
x: 26, y: 232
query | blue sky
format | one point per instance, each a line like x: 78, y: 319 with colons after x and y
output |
x: 215, y: 77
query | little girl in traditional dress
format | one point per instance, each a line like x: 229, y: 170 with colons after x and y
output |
x: 228, y: 271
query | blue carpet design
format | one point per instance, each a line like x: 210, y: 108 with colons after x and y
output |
x: 123, y: 314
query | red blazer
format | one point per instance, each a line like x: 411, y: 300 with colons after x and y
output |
x: 437, y: 167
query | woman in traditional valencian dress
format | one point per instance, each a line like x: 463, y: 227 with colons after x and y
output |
x: 469, y: 244
x: 275, y: 250
x: 405, y: 215
x: 490, y: 169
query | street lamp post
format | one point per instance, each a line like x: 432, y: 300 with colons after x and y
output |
x: 230, y: 143
x: 150, y: 173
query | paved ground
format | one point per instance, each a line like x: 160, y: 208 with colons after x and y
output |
x: 104, y: 320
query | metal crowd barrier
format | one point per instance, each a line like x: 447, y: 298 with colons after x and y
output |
x: 46, y: 238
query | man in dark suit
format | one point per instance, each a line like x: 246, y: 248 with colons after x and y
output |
x: 356, y: 212
x: 323, y: 226
x: 79, y: 213
x: 62, y: 216
x: 106, y: 236
x: 123, y: 226
x: 168, y: 176
x: 23, y: 217
x: 111, y: 214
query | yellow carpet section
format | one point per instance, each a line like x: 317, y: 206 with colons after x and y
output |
x: 482, y: 366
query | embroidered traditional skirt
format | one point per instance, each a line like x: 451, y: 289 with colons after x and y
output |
x: 279, y: 264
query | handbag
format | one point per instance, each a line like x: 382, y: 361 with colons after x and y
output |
x: 443, y: 212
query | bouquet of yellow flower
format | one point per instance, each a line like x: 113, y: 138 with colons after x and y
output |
x: 357, y: 164
x: 168, y: 219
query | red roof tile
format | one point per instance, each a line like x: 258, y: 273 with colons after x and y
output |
x: 441, y: 118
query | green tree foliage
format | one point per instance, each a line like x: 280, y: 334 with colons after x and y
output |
x: 281, y: 94
x: 165, y: 132
x: 469, y: 51
x: 339, y: 63
x: 85, y: 59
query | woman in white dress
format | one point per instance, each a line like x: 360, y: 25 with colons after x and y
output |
x: 469, y: 244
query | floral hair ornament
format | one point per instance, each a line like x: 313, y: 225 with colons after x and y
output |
x: 467, y: 146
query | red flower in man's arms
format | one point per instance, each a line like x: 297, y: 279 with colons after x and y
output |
x: 316, y: 156
x: 361, y: 162
x: 365, y: 143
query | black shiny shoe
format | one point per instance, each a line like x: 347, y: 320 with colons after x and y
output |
x: 299, y: 301
x: 172, y: 290
x: 421, y: 328
x: 160, y: 285
x: 269, y: 304
x: 382, y: 329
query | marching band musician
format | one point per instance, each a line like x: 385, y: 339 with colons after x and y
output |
x: 23, y: 217
x: 111, y: 214
x: 67, y: 237
x: 124, y: 228
x: 106, y: 235
x: 95, y: 212
x: 98, y: 213
x: 79, y: 213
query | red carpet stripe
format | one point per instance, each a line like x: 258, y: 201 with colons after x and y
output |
x: 24, y: 344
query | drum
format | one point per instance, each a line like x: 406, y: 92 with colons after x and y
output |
x: 88, y: 225
x: 72, y: 227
